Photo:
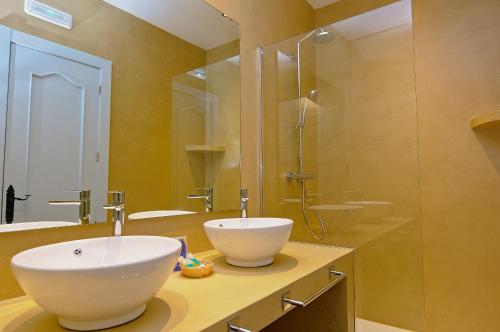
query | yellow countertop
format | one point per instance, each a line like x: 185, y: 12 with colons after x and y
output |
x: 185, y: 304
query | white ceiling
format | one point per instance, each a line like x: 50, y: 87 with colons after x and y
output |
x: 321, y: 3
x: 191, y: 20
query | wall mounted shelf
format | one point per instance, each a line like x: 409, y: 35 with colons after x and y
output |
x: 205, y: 148
x: 485, y: 120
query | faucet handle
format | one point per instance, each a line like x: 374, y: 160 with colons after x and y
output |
x: 117, y: 196
x: 84, y: 194
x: 244, y: 193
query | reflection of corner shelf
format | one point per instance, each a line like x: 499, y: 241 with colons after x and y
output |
x: 485, y: 120
x: 205, y: 148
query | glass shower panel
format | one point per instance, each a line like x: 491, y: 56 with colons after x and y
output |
x: 359, y: 154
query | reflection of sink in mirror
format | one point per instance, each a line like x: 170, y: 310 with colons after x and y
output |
x: 157, y: 214
x: 24, y: 226
x: 293, y: 201
x: 249, y: 242
x: 335, y: 207
x: 96, y: 283
x: 368, y: 203
x: 375, y: 210
x: 339, y: 218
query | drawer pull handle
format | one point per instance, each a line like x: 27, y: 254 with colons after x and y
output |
x: 235, y: 328
x: 339, y: 277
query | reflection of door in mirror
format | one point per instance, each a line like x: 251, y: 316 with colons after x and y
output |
x: 54, y: 139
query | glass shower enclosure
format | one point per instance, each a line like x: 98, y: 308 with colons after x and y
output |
x: 340, y: 154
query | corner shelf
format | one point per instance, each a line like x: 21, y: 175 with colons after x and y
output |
x: 485, y: 120
x: 205, y: 148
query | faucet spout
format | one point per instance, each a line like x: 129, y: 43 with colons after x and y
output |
x: 208, y: 198
x: 83, y: 203
x: 244, y: 202
x: 117, y: 205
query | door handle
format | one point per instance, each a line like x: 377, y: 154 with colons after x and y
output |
x: 26, y: 196
x: 10, y: 201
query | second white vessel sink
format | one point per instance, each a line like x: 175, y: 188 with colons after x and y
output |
x: 96, y: 283
x: 249, y: 242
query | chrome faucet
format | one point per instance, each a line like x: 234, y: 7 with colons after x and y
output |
x: 117, y: 205
x: 83, y: 203
x: 244, y: 202
x: 208, y: 198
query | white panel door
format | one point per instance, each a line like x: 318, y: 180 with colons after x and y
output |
x: 52, y: 132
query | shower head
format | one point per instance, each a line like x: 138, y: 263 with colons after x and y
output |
x: 313, y: 95
x: 320, y: 35
x: 323, y: 36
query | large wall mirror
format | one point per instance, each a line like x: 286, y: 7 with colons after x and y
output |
x: 116, y: 95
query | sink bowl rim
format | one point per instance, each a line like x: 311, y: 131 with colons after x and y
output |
x: 17, y: 263
x: 278, y: 222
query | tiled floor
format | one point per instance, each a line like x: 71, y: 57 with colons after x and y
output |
x: 369, y: 326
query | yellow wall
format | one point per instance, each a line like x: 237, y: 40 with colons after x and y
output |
x: 145, y: 59
x: 457, y: 52
x: 457, y: 76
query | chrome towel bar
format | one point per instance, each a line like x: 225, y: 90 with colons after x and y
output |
x: 235, y: 328
x: 339, y: 276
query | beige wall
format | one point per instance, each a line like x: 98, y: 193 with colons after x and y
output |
x: 145, y: 59
x: 457, y: 54
x: 457, y: 50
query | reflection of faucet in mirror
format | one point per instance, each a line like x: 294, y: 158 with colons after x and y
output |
x: 117, y: 205
x: 208, y: 198
x: 244, y: 202
x: 83, y: 203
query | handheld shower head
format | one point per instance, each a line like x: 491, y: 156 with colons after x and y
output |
x: 313, y: 95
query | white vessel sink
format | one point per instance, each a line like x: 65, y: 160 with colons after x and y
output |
x: 157, y: 214
x: 96, y: 283
x: 249, y: 242
x: 25, y: 226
